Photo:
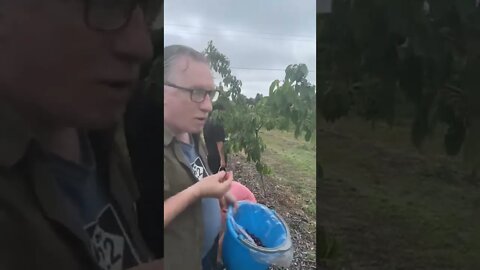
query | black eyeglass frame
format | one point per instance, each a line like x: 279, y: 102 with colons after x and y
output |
x: 130, y: 8
x: 213, y: 94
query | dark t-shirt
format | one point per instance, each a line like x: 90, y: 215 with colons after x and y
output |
x: 213, y: 133
x: 90, y: 207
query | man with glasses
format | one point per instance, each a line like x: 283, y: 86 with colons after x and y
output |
x: 67, y: 197
x: 192, y: 220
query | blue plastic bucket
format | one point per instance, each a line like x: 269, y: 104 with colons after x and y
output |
x: 240, y: 253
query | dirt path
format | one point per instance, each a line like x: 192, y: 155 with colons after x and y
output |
x: 282, y: 200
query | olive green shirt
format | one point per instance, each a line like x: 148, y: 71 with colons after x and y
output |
x: 184, y: 235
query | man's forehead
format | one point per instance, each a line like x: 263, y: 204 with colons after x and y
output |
x: 193, y: 71
x: 185, y: 62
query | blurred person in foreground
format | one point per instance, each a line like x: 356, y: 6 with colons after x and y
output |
x: 192, y: 215
x: 67, y: 195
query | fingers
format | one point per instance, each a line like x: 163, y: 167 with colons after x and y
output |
x: 229, y: 176
x: 230, y: 198
x: 228, y: 183
x: 235, y: 207
x: 220, y: 176
x: 223, y: 185
x: 233, y: 201
x: 226, y: 176
x: 215, y: 185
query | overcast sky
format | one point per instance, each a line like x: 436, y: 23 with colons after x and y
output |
x: 260, y: 37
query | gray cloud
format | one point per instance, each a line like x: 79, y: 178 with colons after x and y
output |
x: 256, y: 35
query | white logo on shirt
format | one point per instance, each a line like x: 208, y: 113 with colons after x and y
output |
x: 108, y: 249
x: 199, y: 169
x: 109, y: 243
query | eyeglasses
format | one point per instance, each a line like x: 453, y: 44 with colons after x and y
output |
x: 197, y: 95
x: 110, y: 15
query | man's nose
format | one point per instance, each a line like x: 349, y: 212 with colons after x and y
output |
x: 134, y: 42
x: 206, y: 104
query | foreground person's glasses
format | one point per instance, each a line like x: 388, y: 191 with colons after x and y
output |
x: 109, y: 15
x: 197, y: 94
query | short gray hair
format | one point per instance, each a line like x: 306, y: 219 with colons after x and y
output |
x: 173, y: 52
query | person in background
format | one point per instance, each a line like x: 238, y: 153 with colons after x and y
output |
x: 214, y: 135
x: 192, y: 215
x: 67, y: 195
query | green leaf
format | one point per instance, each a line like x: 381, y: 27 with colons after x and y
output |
x: 303, y: 70
x: 273, y: 85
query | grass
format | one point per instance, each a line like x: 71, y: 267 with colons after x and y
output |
x: 413, y: 207
x: 293, y: 163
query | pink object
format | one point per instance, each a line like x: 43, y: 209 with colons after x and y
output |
x: 241, y: 193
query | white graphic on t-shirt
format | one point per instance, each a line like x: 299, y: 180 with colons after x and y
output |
x: 109, y: 243
x: 199, y: 169
x: 108, y: 249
